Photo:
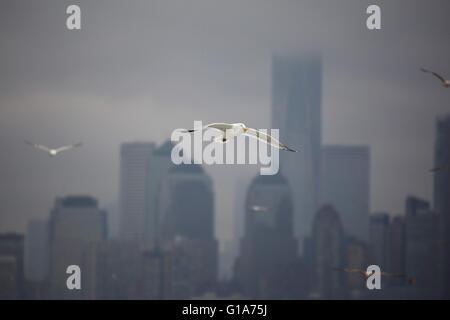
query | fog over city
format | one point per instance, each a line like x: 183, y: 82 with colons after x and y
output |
x: 138, y: 70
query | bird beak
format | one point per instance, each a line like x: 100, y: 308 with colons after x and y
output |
x: 245, y: 129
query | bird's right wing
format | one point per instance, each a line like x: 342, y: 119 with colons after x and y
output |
x: 37, y: 146
x: 434, y: 74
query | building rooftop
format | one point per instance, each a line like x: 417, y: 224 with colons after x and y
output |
x: 79, y: 201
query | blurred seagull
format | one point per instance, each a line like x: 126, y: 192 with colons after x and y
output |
x: 259, y: 208
x: 445, y: 83
x: 234, y: 130
x: 52, y: 152
x: 440, y: 168
x: 366, y: 274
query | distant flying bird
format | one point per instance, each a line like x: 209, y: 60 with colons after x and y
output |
x: 445, y: 83
x: 259, y: 208
x: 234, y: 130
x: 366, y: 274
x: 440, y: 168
x: 52, y: 152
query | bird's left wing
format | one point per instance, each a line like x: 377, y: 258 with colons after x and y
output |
x: 267, y: 139
x: 64, y: 148
x: 37, y: 146
x: 434, y: 74
x: 218, y: 126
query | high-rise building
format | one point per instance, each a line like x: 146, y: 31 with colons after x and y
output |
x: 133, y: 190
x: 186, y: 216
x: 268, y: 248
x: 155, y: 272
x: 37, y: 251
x: 345, y: 176
x: 442, y: 198
x: 9, y: 289
x: 328, y: 251
x: 379, y: 225
x: 11, y: 266
x: 158, y: 165
x: 116, y: 270
x: 76, y: 224
x: 396, y: 249
x: 421, y: 248
x: 296, y: 112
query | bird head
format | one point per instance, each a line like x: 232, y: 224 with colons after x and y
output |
x: 52, y: 153
x: 243, y: 126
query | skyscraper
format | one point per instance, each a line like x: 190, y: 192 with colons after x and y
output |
x: 186, y: 225
x: 296, y: 112
x: 379, y: 224
x: 158, y: 164
x: 133, y: 190
x: 396, y: 249
x: 116, y: 269
x: 345, y: 176
x: 268, y: 248
x: 328, y: 246
x: 76, y: 224
x: 11, y: 266
x: 356, y: 256
x: 37, y: 251
x: 422, y: 248
x: 442, y: 198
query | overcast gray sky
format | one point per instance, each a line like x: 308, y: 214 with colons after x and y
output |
x: 137, y: 65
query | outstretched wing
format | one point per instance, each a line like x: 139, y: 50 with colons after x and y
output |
x: 434, y: 74
x: 267, y: 139
x: 388, y: 274
x: 356, y: 271
x: 218, y: 126
x: 37, y: 146
x: 64, y: 148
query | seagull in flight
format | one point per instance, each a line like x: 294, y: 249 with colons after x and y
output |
x: 233, y: 130
x: 366, y: 274
x: 259, y: 208
x: 440, y: 168
x: 52, y: 152
x: 445, y: 83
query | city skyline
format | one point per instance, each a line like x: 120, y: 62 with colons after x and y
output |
x: 359, y: 105
x: 387, y: 110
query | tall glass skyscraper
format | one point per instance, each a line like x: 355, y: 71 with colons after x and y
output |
x: 76, y: 224
x: 268, y: 248
x: 296, y: 112
x: 133, y: 190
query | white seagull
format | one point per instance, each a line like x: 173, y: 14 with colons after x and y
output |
x: 52, y: 152
x: 234, y: 130
x: 445, y: 83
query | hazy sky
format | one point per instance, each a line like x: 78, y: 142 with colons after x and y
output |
x: 139, y: 69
